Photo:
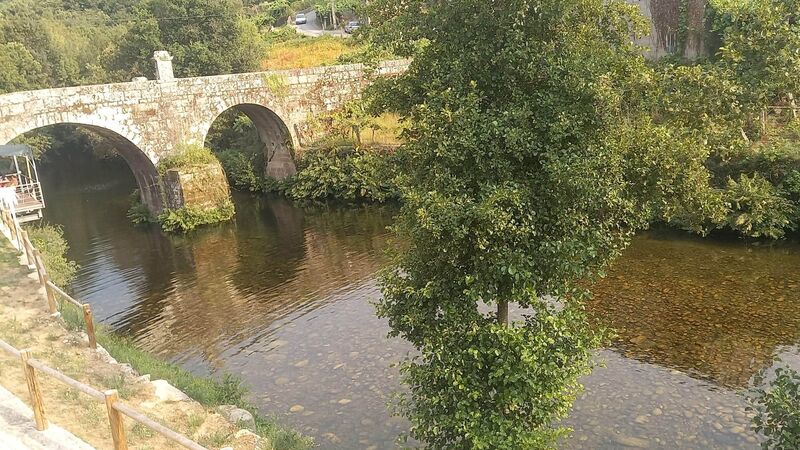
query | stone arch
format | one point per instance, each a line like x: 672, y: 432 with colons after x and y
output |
x: 144, y: 171
x: 273, y: 133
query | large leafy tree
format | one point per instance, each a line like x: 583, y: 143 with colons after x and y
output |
x: 206, y: 37
x: 532, y: 162
x: 761, y: 47
x: 18, y: 69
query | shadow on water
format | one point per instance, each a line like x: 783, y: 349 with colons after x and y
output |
x: 281, y: 297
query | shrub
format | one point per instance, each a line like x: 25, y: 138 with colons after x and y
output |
x: 139, y: 213
x: 757, y: 208
x: 244, y: 170
x: 340, y: 171
x: 49, y: 239
x: 188, y: 218
x: 791, y: 186
x: 778, y: 410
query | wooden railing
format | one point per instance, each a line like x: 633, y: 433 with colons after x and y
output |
x: 32, y: 367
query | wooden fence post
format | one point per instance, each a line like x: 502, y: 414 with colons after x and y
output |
x: 37, y: 403
x: 26, y: 242
x: 45, y: 279
x: 116, y: 421
x: 88, y: 318
x: 51, y: 296
x: 37, y: 260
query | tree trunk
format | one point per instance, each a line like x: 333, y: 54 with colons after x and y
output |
x: 502, y: 312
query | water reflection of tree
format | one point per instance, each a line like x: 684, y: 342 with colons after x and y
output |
x: 716, y: 310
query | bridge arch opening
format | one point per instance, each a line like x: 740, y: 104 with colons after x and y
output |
x: 144, y: 171
x: 252, y: 141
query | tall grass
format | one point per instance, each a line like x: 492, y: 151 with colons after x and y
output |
x: 305, y: 52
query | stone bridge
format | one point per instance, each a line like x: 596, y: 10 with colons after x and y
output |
x: 147, y: 120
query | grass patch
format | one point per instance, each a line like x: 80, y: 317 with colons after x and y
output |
x: 72, y: 316
x: 207, y: 391
x: 189, y: 156
x: 305, y: 52
x: 118, y: 383
x: 140, y: 431
x: 214, y: 440
x: 386, y: 130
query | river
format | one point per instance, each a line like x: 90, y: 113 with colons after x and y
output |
x: 281, y: 297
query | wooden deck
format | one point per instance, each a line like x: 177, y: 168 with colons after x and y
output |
x: 27, y: 203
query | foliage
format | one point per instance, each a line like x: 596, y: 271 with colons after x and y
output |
x: 244, y: 170
x: 530, y: 161
x: 778, y: 410
x: 456, y: 380
x: 339, y: 170
x: 204, y: 37
x: 139, y: 213
x: 235, y: 142
x: 187, y: 157
x: 761, y: 39
x: 277, y: 85
x: 49, y: 239
x: 758, y: 209
x: 19, y: 71
x: 189, y: 217
x: 720, y: 102
x: 67, y: 44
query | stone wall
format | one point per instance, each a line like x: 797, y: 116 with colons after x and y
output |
x: 202, y: 186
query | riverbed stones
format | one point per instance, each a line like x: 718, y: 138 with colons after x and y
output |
x: 167, y: 393
x: 632, y: 442
x: 237, y: 416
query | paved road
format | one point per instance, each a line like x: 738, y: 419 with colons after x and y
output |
x: 311, y: 28
x: 18, y: 432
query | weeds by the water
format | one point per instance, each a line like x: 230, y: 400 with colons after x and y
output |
x: 207, y: 391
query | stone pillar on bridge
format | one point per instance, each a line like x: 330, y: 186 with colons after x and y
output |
x: 163, y: 64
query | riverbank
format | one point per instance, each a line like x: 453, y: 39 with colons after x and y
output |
x: 24, y: 323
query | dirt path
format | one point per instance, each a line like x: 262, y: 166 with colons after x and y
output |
x: 25, y: 324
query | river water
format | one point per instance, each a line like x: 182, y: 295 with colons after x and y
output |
x: 281, y: 297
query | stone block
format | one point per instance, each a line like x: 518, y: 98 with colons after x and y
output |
x: 200, y: 186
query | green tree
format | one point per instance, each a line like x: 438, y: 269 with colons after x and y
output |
x: 761, y: 39
x: 205, y: 38
x: 531, y: 161
x: 19, y: 71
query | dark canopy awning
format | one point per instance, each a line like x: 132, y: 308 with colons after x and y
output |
x: 15, y: 150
